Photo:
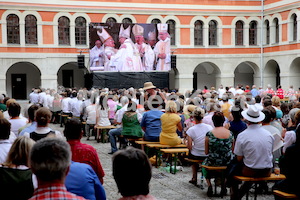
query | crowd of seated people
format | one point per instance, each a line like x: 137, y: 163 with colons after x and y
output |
x: 230, y: 119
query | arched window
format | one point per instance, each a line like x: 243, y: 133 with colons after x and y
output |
x: 155, y: 21
x: 13, y: 29
x: 212, y: 32
x: 276, y: 23
x: 127, y: 21
x: 294, y: 18
x: 267, y: 24
x: 80, y: 30
x: 198, y: 33
x: 253, y: 33
x: 172, y: 31
x: 111, y: 20
x: 63, y: 30
x: 30, y: 29
x: 239, y: 33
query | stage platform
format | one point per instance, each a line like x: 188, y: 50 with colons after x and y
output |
x: 113, y: 80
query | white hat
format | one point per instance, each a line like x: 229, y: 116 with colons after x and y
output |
x: 162, y: 27
x: 137, y: 30
x: 124, y: 32
x: 252, y: 114
x: 103, y: 35
x: 152, y: 35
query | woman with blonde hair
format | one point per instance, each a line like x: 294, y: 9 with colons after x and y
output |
x: 17, y: 180
x: 170, y: 122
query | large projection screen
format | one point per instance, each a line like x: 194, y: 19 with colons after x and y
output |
x: 116, y: 47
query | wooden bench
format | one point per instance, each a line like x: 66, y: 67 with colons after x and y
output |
x: 143, y: 143
x: 158, y: 147
x: 255, y: 180
x: 174, y: 152
x: 63, y: 119
x: 102, y: 131
x: 285, y: 195
x: 220, y: 169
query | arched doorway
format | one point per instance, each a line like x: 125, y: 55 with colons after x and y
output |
x: 272, y: 74
x: 244, y: 74
x: 70, y: 76
x: 295, y: 73
x: 205, y: 74
x: 21, y: 77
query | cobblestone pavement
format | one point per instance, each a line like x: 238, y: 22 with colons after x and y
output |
x: 163, y: 185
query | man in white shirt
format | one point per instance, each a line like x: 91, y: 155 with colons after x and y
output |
x: 34, y: 97
x: 221, y: 91
x: 145, y: 50
x: 253, y: 148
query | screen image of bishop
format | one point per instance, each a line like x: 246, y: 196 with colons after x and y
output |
x: 129, y: 47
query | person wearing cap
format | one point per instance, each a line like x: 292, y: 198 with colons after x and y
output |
x: 128, y: 56
x: 151, y: 93
x: 145, y: 50
x: 253, y: 149
x: 109, y: 48
x: 96, y: 56
x: 152, y: 39
x: 162, y: 49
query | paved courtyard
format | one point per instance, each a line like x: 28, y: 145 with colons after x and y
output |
x: 163, y: 185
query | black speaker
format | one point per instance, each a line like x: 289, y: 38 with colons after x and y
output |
x: 80, y: 61
x: 173, y: 61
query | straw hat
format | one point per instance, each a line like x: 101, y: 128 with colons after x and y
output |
x: 148, y: 85
x: 252, y: 114
x: 189, y: 109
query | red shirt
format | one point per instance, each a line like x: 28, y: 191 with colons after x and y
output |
x: 280, y: 93
x: 54, y: 191
x: 87, y: 154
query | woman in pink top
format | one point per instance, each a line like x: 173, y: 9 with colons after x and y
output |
x: 112, y: 109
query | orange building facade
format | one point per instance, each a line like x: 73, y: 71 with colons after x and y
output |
x: 215, y: 41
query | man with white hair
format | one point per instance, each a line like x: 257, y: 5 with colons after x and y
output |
x: 146, y: 53
x: 270, y: 90
x: 128, y: 57
x: 96, y: 56
x: 162, y: 49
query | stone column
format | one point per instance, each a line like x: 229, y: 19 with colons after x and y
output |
x: 49, y: 81
x: 3, y: 84
x: 185, y: 82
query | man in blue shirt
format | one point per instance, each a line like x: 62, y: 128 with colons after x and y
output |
x: 254, y: 91
x: 83, y: 181
x: 151, y: 123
